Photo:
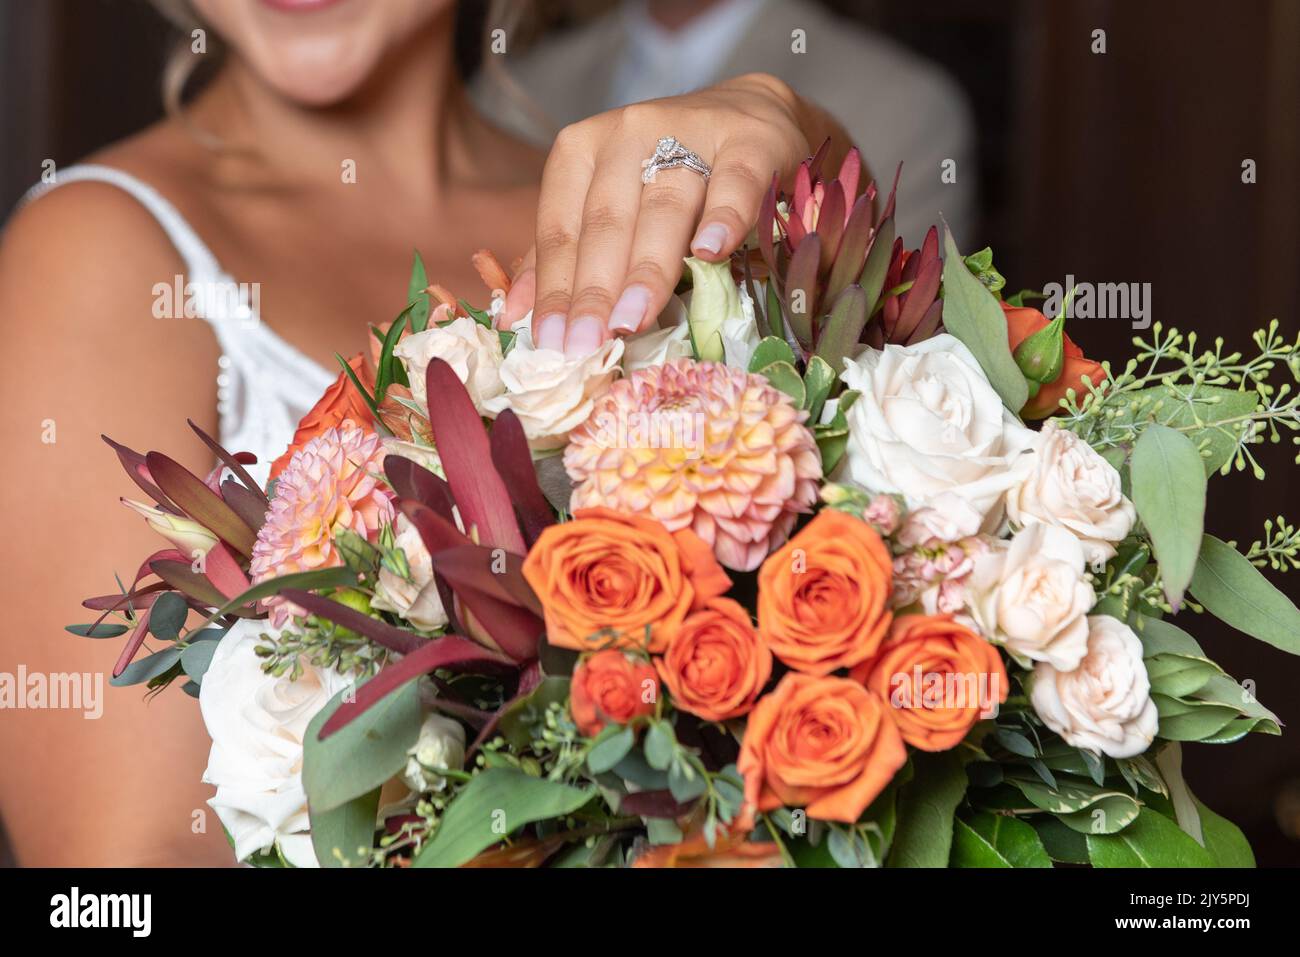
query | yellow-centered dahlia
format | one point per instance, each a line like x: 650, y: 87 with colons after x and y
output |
x: 332, y: 483
x: 699, y: 445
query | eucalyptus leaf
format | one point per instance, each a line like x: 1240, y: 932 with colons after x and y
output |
x: 343, y: 836
x: 147, y: 668
x: 196, y: 658
x: 1169, y: 494
x: 609, y: 748
x: 167, y: 616
x: 1234, y: 591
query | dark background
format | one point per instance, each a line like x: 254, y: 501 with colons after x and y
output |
x: 1121, y: 167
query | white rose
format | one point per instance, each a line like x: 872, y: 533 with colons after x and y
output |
x: 1030, y: 596
x: 928, y: 423
x: 1071, y: 486
x: 441, y: 745
x: 414, y: 598
x: 421, y: 455
x: 551, y: 393
x: 658, y: 345
x: 473, y: 350
x: 1105, y: 704
x: 257, y: 723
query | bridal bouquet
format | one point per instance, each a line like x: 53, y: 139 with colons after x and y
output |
x: 787, y: 580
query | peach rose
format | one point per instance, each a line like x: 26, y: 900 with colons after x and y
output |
x: 827, y: 745
x: 611, y: 579
x: 716, y: 665
x: 938, y: 676
x: 340, y: 402
x: 823, y: 596
x: 1023, y: 322
x: 611, y: 686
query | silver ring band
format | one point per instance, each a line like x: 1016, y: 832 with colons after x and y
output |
x: 670, y: 154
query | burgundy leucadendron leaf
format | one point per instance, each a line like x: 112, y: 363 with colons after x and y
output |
x: 446, y: 652
x: 495, y: 572
x: 853, y: 249
x: 462, y: 444
x: 246, y: 505
x: 652, y: 804
x: 514, y: 462
x: 182, y: 576
x: 414, y: 481
x: 224, y: 572
x: 140, y: 598
x: 200, y: 503
x: 233, y: 462
x: 134, y: 642
x: 436, y: 525
x: 830, y: 225
x: 380, y: 632
x: 134, y: 464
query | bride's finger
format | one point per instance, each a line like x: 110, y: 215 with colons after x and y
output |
x: 670, y: 207
x: 736, y: 191
x: 609, y: 220
x: 565, y: 179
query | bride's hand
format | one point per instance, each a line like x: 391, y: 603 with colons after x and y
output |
x: 609, y: 249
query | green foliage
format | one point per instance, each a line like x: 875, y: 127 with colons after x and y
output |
x: 996, y: 840
x: 1169, y: 494
x: 926, y: 807
x: 1150, y: 841
x: 1234, y: 591
x: 344, y: 836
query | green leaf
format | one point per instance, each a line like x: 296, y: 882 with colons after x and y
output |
x: 923, y: 837
x: 1080, y: 805
x: 1234, y: 591
x: 366, y: 397
x: 334, y: 577
x: 148, y: 668
x: 1169, y: 494
x: 1190, y: 720
x: 97, y: 631
x: 343, y: 836
x: 496, y: 803
x: 1150, y: 841
x: 610, y: 747
x: 996, y: 840
x: 874, y: 269
x: 523, y: 718
x: 1199, y: 413
x: 660, y: 746
x: 770, y: 350
x: 972, y: 314
x: 785, y: 378
x: 196, y: 658
x: 1224, y: 841
x: 167, y: 616
x: 1061, y: 842
x: 416, y: 295
x: 818, y: 379
x: 388, y: 367
x: 364, y: 753
x: 841, y: 331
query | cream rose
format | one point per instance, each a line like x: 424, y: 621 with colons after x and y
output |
x: 553, y: 394
x: 927, y: 424
x: 1071, y: 486
x: 414, y: 597
x: 1104, y: 704
x: 473, y: 350
x: 1030, y: 595
x: 257, y: 723
x: 440, y: 746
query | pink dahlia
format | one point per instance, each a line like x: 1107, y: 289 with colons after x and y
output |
x: 699, y: 445
x: 330, y: 484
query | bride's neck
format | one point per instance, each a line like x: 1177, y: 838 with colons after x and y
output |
x: 410, y: 125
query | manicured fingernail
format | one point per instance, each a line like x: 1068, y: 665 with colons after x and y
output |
x: 710, y: 238
x: 584, y: 337
x: 549, y: 332
x: 519, y: 299
x: 630, y: 309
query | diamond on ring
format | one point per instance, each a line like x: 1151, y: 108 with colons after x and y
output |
x: 670, y: 154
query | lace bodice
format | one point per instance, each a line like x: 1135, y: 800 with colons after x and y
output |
x: 264, y: 385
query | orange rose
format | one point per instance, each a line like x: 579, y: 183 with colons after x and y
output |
x: 827, y: 745
x: 822, y: 596
x: 340, y: 402
x: 1023, y: 322
x: 611, y: 686
x: 716, y: 665
x: 607, y: 578
x: 938, y: 676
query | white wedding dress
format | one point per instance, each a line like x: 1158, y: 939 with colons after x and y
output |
x: 264, y: 385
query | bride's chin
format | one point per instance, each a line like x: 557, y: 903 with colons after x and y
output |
x: 319, y: 77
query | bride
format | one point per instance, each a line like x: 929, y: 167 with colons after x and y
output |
x: 334, y: 138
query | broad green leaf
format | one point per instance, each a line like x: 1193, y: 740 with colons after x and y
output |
x: 610, y: 748
x: 416, y: 296
x: 785, y: 378
x: 496, y: 803
x: 996, y: 840
x: 1061, y: 842
x: 1190, y: 720
x: 972, y: 314
x: 1169, y: 494
x: 148, y: 668
x: 923, y: 837
x: 1150, y: 841
x: 167, y: 616
x: 364, y: 753
x: 1206, y: 414
x: 1234, y: 591
x: 660, y: 745
x: 1224, y: 841
x: 343, y: 836
x: 334, y: 577
x: 770, y: 350
x: 818, y: 379
x: 196, y: 658
x: 97, y: 631
x: 1081, y: 805
x: 1160, y: 637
